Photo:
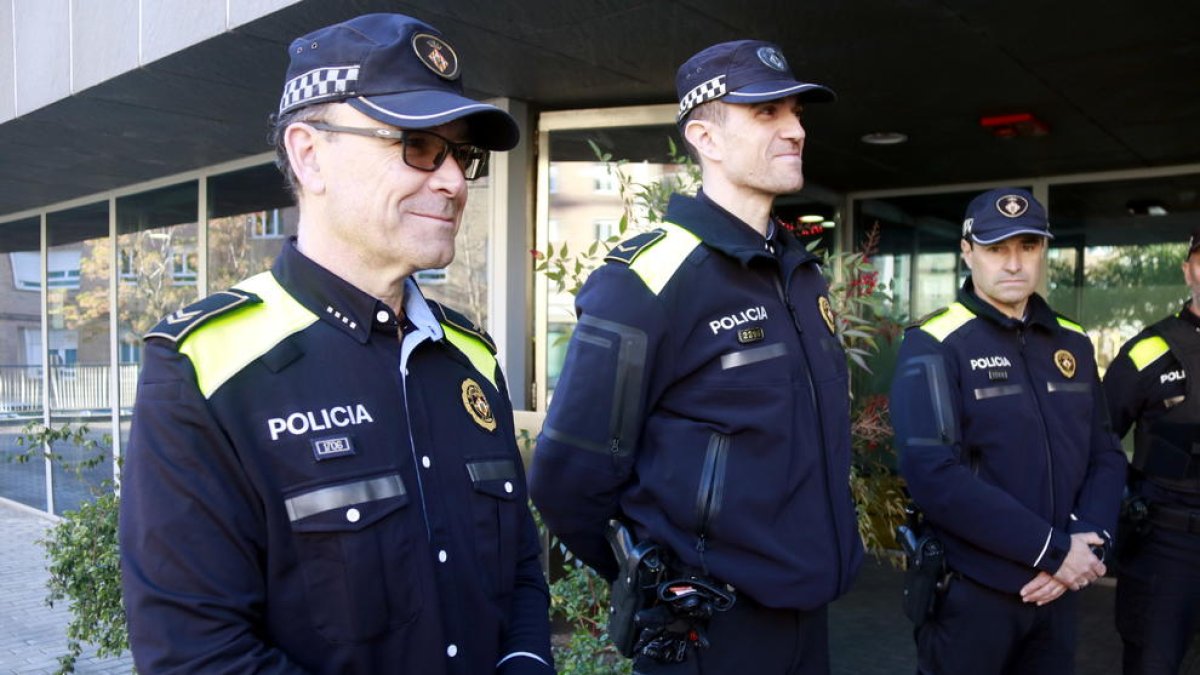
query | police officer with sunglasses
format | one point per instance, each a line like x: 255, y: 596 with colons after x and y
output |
x: 322, y: 474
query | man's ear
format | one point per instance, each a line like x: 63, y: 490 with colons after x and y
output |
x: 704, y: 137
x: 301, y: 143
x: 966, y: 249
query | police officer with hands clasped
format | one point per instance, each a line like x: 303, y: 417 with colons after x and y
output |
x: 1005, y: 445
x: 702, y: 415
x: 1150, y: 383
x: 322, y: 474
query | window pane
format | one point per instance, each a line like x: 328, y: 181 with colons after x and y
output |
x: 20, y: 358
x: 79, y: 264
x: 1122, y: 245
x: 250, y: 215
x: 157, y: 257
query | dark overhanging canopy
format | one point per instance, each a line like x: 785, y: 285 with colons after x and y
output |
x: 1114, y: 85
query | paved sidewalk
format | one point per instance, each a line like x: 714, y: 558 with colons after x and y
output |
x: 33, y: 635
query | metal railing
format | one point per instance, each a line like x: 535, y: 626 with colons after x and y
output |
x: 75, y: 387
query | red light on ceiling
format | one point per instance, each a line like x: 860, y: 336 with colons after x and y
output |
x: 1014, y: 125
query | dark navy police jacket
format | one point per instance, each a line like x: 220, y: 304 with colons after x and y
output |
x: 1004, y: 437
x: 309, y: 488
x: 704, y: 398
x: 1143, y: 382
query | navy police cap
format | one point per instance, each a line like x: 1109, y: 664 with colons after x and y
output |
x: 395, y: 69
x: 1002, y: 213
x: 743, y: 71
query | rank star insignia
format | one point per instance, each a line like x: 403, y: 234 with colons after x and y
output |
x: 826, y: 313
x: 1065, y: 361
x: 477, y: 404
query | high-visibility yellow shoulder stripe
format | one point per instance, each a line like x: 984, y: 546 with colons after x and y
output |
x: 221, y: 347
x: 659, y: 261
x: 1147, y: 351
x: 1071, y: 325
x: 948, y: 321
x: 476, y: 350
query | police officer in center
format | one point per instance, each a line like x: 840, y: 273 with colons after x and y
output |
x: 1158, y: 589
x: 703, y: 399
x: 322, y: 474
x: 1005, y: 445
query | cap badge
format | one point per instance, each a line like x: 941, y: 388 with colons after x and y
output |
x: 1012, y: 206
x: 477, y: 404
x: 826, y: 312
x: 967, y: 225
x: 1065, y: 361
x: 436, y: 55
x: 771, y: 58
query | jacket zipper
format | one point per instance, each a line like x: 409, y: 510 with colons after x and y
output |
x: 812, y: 392
x: 614, y: 448
x: 712, y: 488
x: 1041, y: 420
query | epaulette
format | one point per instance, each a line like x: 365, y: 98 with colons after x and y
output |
x: 1069, y: 324
x: 937, y: 312
x: 631, y: 248
x: 178, y: 324
x: 449, y: 316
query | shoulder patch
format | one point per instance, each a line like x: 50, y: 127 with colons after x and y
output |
x: 178, y: 324
x: 1147, y: 350
x: 1070, y: 325
x: 626, y: 251
x: 937, y: 312
x: 445, y: 315
x: 942, y: 324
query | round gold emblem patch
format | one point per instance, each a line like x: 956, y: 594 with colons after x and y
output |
x: 477, y: 404
x: 436, y: 54
x: 1065, y: 361
x: 826, y: 312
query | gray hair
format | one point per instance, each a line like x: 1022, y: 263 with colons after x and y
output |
x: 279, y: 125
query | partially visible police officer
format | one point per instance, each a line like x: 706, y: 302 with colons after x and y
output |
x: 322, y: 474
x: 1150, y: 383
x: 704, y: 397
x: 1005, y: 445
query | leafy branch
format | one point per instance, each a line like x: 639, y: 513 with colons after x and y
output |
x: 40, y: 441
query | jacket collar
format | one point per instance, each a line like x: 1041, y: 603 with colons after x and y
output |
x: 1187, y: 315
x: 1037, y: 312
x: 345, y: 306
x: 721, y: 230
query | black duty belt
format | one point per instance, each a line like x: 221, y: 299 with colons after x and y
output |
x: 1182, y: 520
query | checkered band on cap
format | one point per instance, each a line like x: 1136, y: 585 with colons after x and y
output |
x: 705, y: 91
x: 317, y: 85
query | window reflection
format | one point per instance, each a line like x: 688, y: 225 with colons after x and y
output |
x: 250, y: 215
x: 20, y: 358
x: 1122, y: 244
x: 77, y: 358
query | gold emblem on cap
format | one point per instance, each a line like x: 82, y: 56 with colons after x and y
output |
x: 1012, y: 206
x: 436, y: 54
x: 477, y: 404
x: 1065, y: 361
x: 826, y: 312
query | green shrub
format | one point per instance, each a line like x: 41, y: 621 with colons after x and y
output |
x: 85, y: 571
x: 579, y: 597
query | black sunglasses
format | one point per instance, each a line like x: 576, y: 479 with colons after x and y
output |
x: 423, y: 150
